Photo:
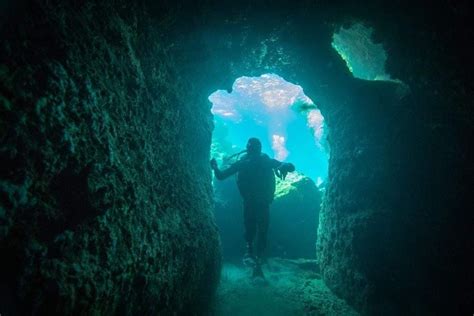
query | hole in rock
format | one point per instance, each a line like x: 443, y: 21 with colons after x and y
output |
x: 291, y: 129
x: 364, y: 58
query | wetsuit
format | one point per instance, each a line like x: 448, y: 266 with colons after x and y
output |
x: 256, y: 183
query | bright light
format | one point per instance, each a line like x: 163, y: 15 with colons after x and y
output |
x: 316, y: 122
x: 273, y: 110
x: 269, y: 89
x: 278, y: 145
x: 364, y: 58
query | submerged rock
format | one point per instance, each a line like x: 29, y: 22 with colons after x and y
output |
x: 294, y: 218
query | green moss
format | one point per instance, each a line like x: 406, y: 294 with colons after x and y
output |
x: 289, y: 185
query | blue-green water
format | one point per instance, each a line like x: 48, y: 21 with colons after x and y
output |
x: 267, y: 107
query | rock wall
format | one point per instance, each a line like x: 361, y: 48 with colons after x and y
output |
x: 394, y: 229
x: 365, y: 246
x: 105, y: 186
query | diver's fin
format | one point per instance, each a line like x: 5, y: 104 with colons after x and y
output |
x: 249, y: 258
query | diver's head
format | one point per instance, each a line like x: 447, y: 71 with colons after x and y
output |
x: 254, y: 146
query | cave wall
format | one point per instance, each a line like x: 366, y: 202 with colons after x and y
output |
x: 106, y: 201
x: 397, y: 224
x: 369, y: 229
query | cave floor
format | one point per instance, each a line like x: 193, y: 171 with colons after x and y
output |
x: 293, y: 287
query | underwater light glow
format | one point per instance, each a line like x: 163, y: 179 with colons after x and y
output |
x: 278, y: 146
x: 365, y: 59
x: 277, y: 112
x: 316, y: 122
x: 270, y: 90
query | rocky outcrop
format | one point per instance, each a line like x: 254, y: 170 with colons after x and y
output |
x: 294, y: 218
x: 105, y: 185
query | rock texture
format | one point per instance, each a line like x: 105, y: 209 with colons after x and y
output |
x: 295, y: 218
x: 108, y: 101
x: 105, y: 186
x: 394, y: 229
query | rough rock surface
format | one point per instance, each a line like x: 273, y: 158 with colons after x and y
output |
x: 396, y: 229
x: 294, y: 218
x: 106, y: 202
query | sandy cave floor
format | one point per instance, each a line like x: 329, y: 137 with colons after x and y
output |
x: 292, y: 287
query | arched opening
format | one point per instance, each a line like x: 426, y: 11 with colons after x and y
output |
x: 291, y: 128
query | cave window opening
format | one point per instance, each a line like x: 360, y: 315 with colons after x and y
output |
x: 287, y: 122
x: 364, y: 58
x: 291, y: 129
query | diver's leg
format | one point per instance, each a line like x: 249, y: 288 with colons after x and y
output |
x: 250, y: 224
x: 262, y: 229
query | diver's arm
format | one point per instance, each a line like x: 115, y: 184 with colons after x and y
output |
x: 275, y: 163
x: 222, y: 174
x: 282, y: 168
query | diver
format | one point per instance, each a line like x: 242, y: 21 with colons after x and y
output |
x: 256, y: 182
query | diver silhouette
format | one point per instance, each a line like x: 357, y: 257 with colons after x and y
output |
x: 256, y: 182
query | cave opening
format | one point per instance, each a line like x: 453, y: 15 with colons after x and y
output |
x: 364, y: 57
x: 291, y: 128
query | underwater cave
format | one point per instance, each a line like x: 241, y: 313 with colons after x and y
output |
x: 111, y: 111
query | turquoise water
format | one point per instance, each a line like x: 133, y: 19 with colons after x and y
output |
x: 267, y: 107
